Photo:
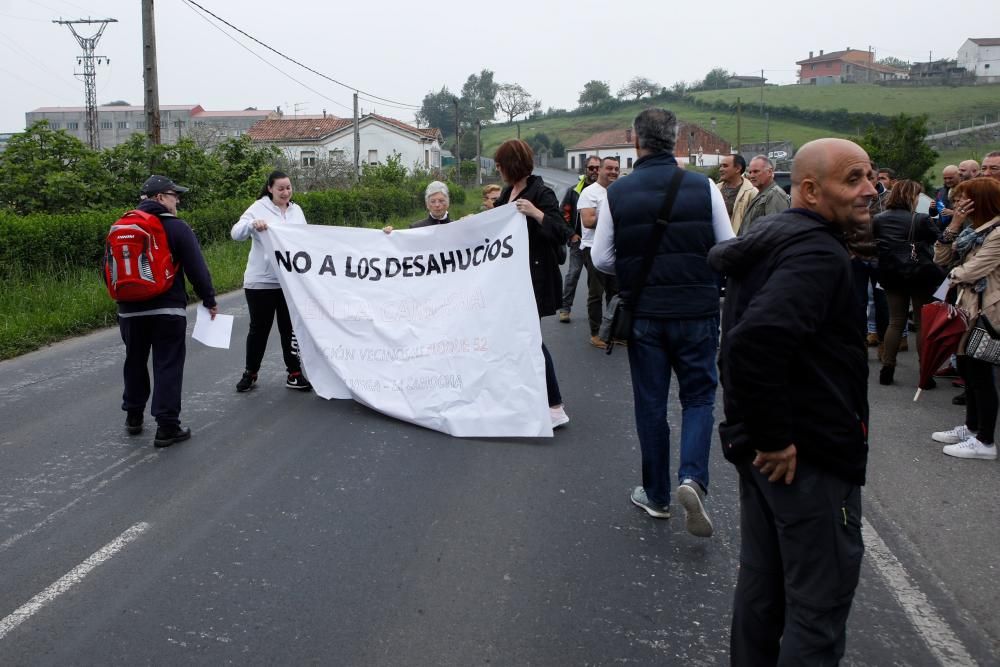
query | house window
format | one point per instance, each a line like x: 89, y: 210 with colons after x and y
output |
x: 308, y: 158
x: 628, y: 163
x: 337, y: 154
x: 123, y: 125
x: 812, y: 66
x: 73, y: 125
x: 140, y: 125
x: 372, y: 156
x: 427, y: 158
x: 572, y: 162
x: 106, y: 125
x: 54, y: 126
x: 163, y: 123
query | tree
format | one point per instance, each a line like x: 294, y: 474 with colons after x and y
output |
x: 438, y: 110
x: 900, y: 146
x: 558, y: 149
x: 245, y: 166
x: 478, y: 101
x: 717, y: 78
x: 48, y: 171
x: 514, y: 101
x: 539, y: 142
x: 116, y: 103
x: 637, y: 87
x: 594, y: 94
x: 892, y: 61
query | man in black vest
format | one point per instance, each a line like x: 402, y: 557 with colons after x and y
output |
x: 676, y: 319
x: 795, y: 378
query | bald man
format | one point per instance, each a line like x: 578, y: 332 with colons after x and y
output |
x: 941, y: 206
x: 968, y: 169
x: 794, y: 373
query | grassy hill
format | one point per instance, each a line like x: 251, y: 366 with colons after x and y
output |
x: 941, y: 103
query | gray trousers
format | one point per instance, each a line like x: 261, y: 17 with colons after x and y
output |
x: 572, y: 276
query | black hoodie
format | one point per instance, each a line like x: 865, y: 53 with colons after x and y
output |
x: 793, y: 363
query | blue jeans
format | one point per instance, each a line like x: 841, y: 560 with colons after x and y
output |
x: 688, y: 347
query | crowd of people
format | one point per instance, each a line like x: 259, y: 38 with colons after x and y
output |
x: 788, y: 345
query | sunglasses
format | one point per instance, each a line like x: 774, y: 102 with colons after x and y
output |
x: 594, y: 168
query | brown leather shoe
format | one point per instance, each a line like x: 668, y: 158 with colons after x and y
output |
x: 597, y: 342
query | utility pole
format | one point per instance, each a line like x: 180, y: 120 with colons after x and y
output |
x: 762, y: 92
x: 739, y: 118
x: 90, y: 62
x: 458, y: 144
x: 151, y: 98
x: 479, y: 151
x: 357, y: 139
x: 767, y: 134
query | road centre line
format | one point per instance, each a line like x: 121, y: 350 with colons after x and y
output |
x: 70, y: 579
x: 946, y: 648
x: 10, y: 541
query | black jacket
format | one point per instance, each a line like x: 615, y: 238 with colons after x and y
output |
x: 429, y: 221
x: 793, y: 363
x: 568, y: 206
x: 543, y: 239
x: 892, y: 234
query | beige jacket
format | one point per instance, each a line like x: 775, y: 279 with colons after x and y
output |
x: 743, y: 198
x: 981, y: 262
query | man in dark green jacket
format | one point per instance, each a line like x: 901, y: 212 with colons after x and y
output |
x: 770, y: 197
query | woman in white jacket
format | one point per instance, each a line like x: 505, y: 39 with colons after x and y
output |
x: 260, y: 284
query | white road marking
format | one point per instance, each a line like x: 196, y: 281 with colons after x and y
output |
x: 70, y: 579
x: 946, y: 648
x: 6, y: 544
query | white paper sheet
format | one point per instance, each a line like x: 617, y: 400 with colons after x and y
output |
x: 942, y: 291
x: 213, y: 333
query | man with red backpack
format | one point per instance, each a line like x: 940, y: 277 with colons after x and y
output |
x: 159, y: 323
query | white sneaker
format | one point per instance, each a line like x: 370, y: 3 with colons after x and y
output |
x: 971, y: 449
x: 690, y: 496
x: 954, y: 436
x: 559, y: 417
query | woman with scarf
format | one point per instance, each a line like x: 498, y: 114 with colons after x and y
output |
x: 973, y: 256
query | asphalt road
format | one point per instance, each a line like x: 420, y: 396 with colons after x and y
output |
x: 293, y: 530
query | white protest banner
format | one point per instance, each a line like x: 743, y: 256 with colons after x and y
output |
x: 437, y: 326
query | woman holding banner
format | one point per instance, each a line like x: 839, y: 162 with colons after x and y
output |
x: 260, y: 284
x: 546, y: 232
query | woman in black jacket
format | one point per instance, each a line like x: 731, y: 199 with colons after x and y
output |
x: 906, y: 266
x: 546, y: 232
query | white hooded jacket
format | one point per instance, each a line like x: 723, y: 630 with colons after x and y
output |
x: 260, y: 272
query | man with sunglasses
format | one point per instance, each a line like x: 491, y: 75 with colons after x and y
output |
x: 159, y: 325
x: 590, y: 173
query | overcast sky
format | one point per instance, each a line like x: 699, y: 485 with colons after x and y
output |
x: 401, y: 50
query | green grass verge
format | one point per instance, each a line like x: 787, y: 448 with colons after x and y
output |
x: 41, y: 307
x: 940, y: 103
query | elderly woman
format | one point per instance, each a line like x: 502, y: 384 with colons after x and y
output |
x: 973, y: 254
x: 903, y: 235
x: 437, y: 201
x: 546, y: 232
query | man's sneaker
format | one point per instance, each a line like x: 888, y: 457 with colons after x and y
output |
x: 690, y: 496
x: 133, y: 422
x: 564, y: 316
x: 297, y: 381
x: 169, y: 435
x: 954, y: 436
x: 559, y: 417
x: 639, y: 499
x: 598, y: 343
x: 246, y: 382
x: 971, y: 449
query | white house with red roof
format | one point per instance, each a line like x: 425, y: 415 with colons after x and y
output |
x: 981, y: 55
x: 694, y: 144
x: 311, y: 138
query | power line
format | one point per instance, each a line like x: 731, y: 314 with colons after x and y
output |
x: 266, y: 62
x: 302, y: 65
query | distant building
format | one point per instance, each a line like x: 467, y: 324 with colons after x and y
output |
x: 4, y: 138
x: 305, y: 140
x: 981, y: 56
x: 848, y: 66
x: 693, y: 144
x: 117, y: 123
x: 745, y: 81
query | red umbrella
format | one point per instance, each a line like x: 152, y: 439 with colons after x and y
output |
x: 942, y: 327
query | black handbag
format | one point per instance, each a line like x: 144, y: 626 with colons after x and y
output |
x: 907, y: 265
x: 616, y: 323
x: 984, y: 341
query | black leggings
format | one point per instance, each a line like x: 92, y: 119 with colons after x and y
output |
x: 980, y: 397
x: 263, y: 304
x: 551, y: 383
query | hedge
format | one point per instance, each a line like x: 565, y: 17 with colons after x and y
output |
x: 47, y: 242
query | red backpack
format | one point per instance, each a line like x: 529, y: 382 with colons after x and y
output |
x: 137, y: 260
